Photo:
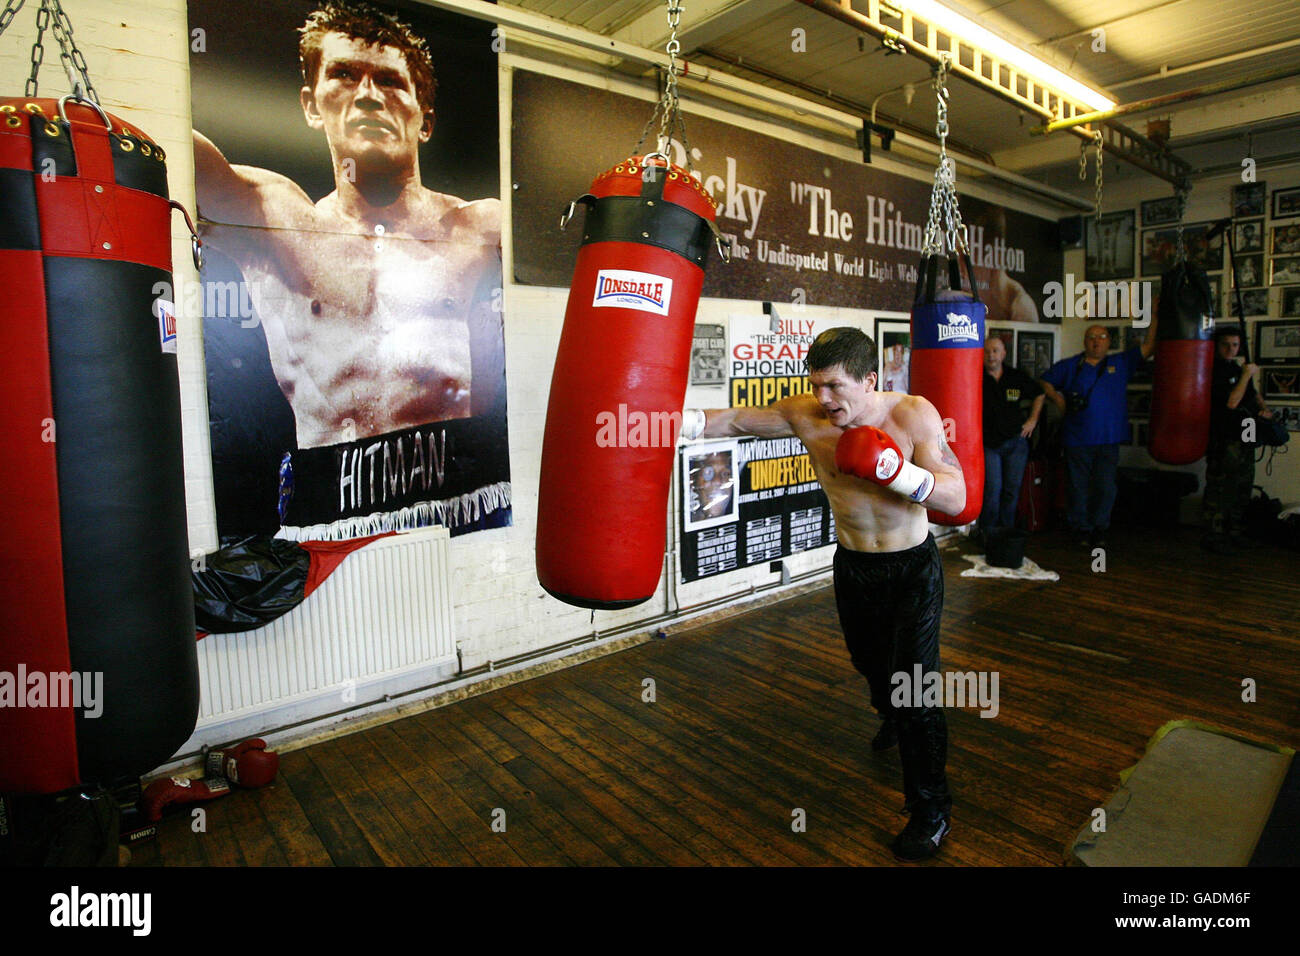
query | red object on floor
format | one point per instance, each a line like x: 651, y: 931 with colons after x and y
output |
x: 1031, y: 512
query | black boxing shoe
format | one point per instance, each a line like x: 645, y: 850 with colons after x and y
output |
x: 923, y: 835
x: 886, y: 737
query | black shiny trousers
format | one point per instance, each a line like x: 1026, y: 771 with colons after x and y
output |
x: 890, y: 604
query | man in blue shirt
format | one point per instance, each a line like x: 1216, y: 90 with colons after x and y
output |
x: 1091, y: 388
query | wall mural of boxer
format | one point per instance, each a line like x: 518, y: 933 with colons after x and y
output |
x: 347, y: 171
x: 805, y: 228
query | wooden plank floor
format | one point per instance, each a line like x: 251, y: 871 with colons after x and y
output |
x: 761, y: 714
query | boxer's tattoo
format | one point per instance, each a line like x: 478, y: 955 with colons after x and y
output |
x: 945, y: 453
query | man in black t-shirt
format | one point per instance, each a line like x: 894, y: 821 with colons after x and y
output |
x: 1229, y: 461
x: 1006, y: 432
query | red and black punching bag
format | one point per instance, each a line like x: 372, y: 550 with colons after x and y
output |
x: 619, y: 383
x: 1180, y: 392
x: 94, y: 562
x: 948, y: 369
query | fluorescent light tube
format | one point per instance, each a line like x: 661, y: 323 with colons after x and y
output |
x: 960, y: 28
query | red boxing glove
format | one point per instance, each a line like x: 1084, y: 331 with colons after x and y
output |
x: 871, y: 454
x: 248, y: 764
x: 179, y: 790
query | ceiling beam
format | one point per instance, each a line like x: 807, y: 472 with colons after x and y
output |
x: 1164, y: 74
x: 979, y: 67
x: 702, y: 22
x: 1169, y: 99
x: 1191, y: 122
x: 985, y: 71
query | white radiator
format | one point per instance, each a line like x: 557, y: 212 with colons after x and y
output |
x: 381, y: 624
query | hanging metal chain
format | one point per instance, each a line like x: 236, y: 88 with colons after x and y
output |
x: 944, y: 222
x: 667, y: 110
x: 9, y: 12
x: 38, y: 51
x: 74, y: 64
x: 1083, y: 162
x: 670, y: 81
x: 51, y: 16
x: 1101, y: 152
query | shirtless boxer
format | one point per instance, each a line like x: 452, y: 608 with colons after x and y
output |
x: 380, y: 301
x: 878, y: 456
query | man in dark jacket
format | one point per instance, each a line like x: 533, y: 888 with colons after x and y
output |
x: 1007, y: 428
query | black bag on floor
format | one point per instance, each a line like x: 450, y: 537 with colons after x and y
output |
x: 1261, y: 517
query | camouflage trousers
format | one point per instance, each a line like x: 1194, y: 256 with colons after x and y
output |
x: 1229, y: 478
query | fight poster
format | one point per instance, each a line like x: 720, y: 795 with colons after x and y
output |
x: 804, y: 228
x: 753, y: 500
x: 347, y: 173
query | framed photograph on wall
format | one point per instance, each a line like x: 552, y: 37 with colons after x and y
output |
x: 1284, y: 270
x: 894, y: 347
x: 1277, y: 343
x: 1034, y: 354
x: 1248, y: 236
x: 1286, y: 203
x: 1160, y: 249
x: 1281, y: 383
x: 1109, y: 245
x: 1285, y: 240
x: 1216, y: 290
x: 1291, y: 302
x: 1157, y: 212
x: 1250, y: 271
x: 1254, y: 301
x: 709, y: 476
x: 1248, y: 199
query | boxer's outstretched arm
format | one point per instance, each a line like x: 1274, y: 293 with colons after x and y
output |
x: 768, y: 421
x: 242, y: 195
x: 931, y: 452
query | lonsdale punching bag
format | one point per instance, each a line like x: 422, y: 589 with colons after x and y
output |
x: 619, y: 383
x: 94, y: 564
x: 948, y: 369
x: 948, y: 325
x: 1180, y: 392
